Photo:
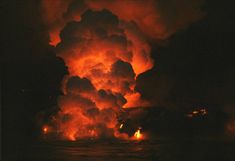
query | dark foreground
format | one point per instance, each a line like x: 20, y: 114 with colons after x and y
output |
x: 157, y: 150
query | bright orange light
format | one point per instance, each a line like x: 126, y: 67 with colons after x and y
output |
x: 203, y: 111
x: 71, y: 137
x: 195, y: 112
x: 45, y: 129
x: 199, y: 112
x: 138, y: 134
x: 121, y: 126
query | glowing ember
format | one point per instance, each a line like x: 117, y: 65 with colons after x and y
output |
x: 72, y: 137
x: 199, y: 112
x: 138, y: 135
x: 203, y: 111
x: 45, y: 129
x: 195, y: 112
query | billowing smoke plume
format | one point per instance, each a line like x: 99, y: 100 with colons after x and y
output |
x: 108, y: 52
x: 104, y: 55
x: 104, y: 46
x: 158, y: 19
x: 86, y: 111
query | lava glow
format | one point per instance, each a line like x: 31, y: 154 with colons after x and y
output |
x: 104, y: 55
x: 138, y: 135
x: 45, y: 129
x: 104, y: 46
x: 199, y: 112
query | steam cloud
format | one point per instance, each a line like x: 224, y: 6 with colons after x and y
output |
x: 104, y: 45
x: 158, y: 19
x: 103, y: 57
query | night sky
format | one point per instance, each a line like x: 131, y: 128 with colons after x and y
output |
x: 193, y: 68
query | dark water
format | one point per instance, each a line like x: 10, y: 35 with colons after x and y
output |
x: 157, y: 150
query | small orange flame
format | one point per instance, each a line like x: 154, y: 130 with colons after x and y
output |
x: 45, y: 129
x: 121, y: 126
x: 199, y: 112
x: 195, y: 112
x: 138, y: 135
x: 203, y: 111
x: 72, y: 137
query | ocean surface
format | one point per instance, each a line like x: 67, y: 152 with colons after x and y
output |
x: 113, y: 150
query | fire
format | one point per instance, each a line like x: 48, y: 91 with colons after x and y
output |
x: 138, y: 135
x: 121, y: 126
x: 45, y: 129
x: 195, y: 112
x: 71, y: 137
x: 199, y: 112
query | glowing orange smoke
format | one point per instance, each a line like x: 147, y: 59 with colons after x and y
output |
x: 104, y: 55
x: 137, y: 134
x: 104, y: 46
x: 151, y: 16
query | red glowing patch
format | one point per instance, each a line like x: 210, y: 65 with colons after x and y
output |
x: 45, y: 129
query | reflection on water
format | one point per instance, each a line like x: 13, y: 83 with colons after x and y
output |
x: 158, y: 150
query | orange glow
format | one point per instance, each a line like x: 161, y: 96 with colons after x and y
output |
x: 103, y: 67
x: 54, y: 38
x: 71, y: 137
x: 203, y: 111
x: 195, y: 112
x: 45, y: 129
x: 152, y: 20
x: 199, y: 112
x: 134, y: 100
x: 138, y: 135
x: 105, y: 51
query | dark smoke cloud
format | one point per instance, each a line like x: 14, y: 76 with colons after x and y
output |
x: 195, y: 68
x: 79, y: 85
x: 76, y: 101
x: 123, y: 70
